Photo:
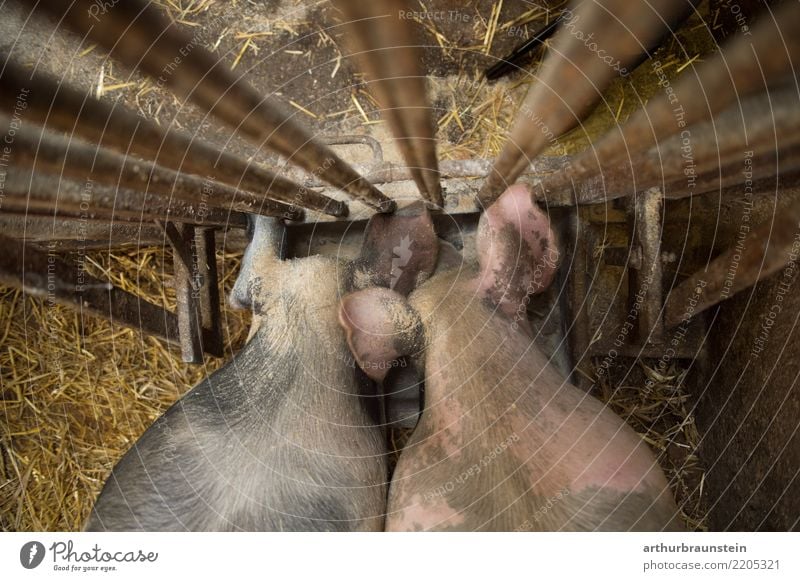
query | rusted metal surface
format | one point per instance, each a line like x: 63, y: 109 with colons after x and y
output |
x: 614, y: 307
x: 384, y: 45
x: 45, y: 228
x: 41, y: 274
x: 139, y: 35
x: 761, y: 125
x: 645, y: 282
x: 750, y: 63
x: 460, y: 179
x: 578, y: 327
x: 181, y: 238
x: 368, y: 140
x: 196, y: 290
x: 770, y: 247
x: 207, y: 279
x: 751, y: 172
x: 62, y: 108
x: 573, y: 76
x: 44, y: 151
x: 45, y: 194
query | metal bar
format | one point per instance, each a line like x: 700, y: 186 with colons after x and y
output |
x: 33, y: 192
x: 59, y: 107
x: 387, y: 172
x: 767, y: 249
x: 44, y: 275
x: 774, y: 166
x: 747, y: 64
x: 91, y: 163
x: 368, y: 140
x: 182, y: 238
x: 384, y: 45
x: 45, y: 228
x: 578, y: 326
x: 646, y: 282
x: 139, y: 35
x: 756, y: 126
x: 573, y: 78
x: 208, y: 290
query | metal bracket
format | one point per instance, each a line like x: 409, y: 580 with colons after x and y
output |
x: 197, y: 290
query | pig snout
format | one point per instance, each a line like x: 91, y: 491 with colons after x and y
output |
x: 504, y: 441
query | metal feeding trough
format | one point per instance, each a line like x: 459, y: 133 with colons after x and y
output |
x: 729, y: 126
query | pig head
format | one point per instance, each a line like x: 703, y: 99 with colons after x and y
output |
x: 285, y: 436
x: 504, y: 441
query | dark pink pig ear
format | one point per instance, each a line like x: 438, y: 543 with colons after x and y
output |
x: 399, y: 250
x: 517, y: 249
x: 380, y: 326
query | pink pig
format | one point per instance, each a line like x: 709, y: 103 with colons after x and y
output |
x: 505, y: 442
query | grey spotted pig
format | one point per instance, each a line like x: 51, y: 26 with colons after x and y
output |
x: 285, y: 436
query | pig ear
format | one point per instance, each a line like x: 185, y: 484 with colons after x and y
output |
x: 399, y: 250
x: 380, y: 326
x: 516, y: 249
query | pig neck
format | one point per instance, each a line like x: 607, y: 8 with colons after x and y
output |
x: 473, y: 348
x: 299, y: 334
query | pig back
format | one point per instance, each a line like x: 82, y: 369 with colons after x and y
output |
x: 281, y: 438
x: 506, y: 443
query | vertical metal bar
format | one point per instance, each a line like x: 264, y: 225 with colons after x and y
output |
x: 646, y: 282
x: 384, y: 45
x: 208, y: 290
x: 579, y: 328
x: 138, y: 34
x: 190, y: 329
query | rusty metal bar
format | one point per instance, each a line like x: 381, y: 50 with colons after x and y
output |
x: 383, y: 42
x: 181, y: 238
x: 756, y: 184
x: 59, y: 107
x: 577, y: 305
x: 368, y: 140
x: 573, y: 76
x: 32, y: 148
x: 646, y: 282
x: 759, y: 125
x: 773, y: 166
x: 41, y: 274
x: 45, y: 228
x: 387, y: 172
x: 197, y: 290
x: 748, y: 64
x: 767, y: 249
x: 38, y: 193
x: 208, y: 290
x: 138, y: 34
